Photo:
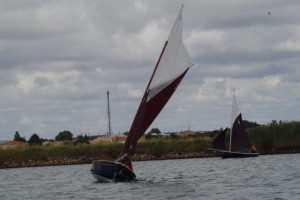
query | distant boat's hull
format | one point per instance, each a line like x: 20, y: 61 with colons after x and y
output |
x: 110, y: 171
x: 228, y: 154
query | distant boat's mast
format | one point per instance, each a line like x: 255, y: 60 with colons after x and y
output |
x: 108, y: 115
x: 230, y: 138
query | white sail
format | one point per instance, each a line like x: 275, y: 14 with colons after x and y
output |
x: 171, y: 67
x: 174, y: 62
x: 235, y: 110
x: 234, y: 114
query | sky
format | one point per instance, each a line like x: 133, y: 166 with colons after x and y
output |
x: 59, y: 57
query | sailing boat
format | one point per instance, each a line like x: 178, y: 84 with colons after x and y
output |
x: 238, y: 138
x: 171, y: 67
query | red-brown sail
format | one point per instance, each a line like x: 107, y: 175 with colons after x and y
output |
x: 219, y: 141
x: 239, y: 138
x: 148, y: 112
x: 170, y: 69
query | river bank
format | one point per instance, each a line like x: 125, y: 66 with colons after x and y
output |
x: 276, y: 138
x: 56, y: 161
x: 53, y: 161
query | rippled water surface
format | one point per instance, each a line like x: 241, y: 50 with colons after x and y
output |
x: 264, y: 177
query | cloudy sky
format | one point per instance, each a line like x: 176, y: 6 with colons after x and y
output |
x: 58, y: 59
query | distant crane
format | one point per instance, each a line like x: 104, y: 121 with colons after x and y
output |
x: 109, y: 133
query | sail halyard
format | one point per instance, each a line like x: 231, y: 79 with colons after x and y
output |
x: 171, y: 67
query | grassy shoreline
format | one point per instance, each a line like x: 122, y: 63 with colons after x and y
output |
x: 154, y: 149
x: 274, y: 138
x: 60, y: 160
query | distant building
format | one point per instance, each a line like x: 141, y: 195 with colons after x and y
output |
x: 13, y: 144
x: 119, y: 138
x: 101, y: 139
x: 52, y: 143
x: 186, y: 134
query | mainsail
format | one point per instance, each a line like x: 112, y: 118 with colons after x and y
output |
x: 238, y: 137
x: 170, y: 69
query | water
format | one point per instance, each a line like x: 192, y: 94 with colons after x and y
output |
x: 263, y: 177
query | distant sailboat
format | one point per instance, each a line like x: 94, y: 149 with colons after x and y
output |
x: 238, y: 138
x: 171, y: 67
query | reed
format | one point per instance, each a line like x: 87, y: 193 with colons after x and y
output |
x: 276, y: 137
x: 56, y: 155
x: 161, y: 146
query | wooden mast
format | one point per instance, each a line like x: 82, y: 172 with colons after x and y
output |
x: 144, y: 98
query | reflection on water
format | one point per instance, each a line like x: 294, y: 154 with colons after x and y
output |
x: 263, y: 177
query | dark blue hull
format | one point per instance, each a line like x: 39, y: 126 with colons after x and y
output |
x: 228, y: 154
x: 111, y: 171
x: 232, y: 154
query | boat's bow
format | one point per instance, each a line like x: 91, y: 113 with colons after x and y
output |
x: 111, y: 171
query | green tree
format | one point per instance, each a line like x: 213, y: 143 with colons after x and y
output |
x: 249, y: 124
x: 35, y: 139
x: 173, y: 135
x: 18, y: 137
x: 64, y: 135
x: 155, y: 130
x: 126, y: 133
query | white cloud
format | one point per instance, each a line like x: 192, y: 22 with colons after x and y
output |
x: 271, y: 82
x: 143, y: 45
x: 289, y: 45
x: 140, y: 6
x: 203, y: 41
x: 131, y: 92
x: 58, y: 59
